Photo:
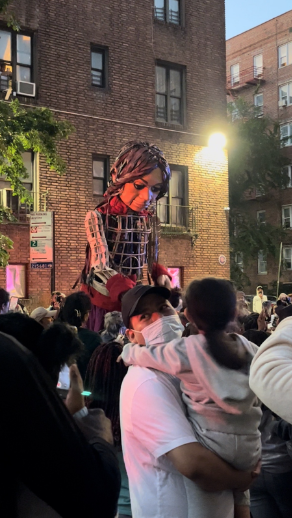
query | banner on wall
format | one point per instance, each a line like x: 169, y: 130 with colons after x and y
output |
x: 41, y: 240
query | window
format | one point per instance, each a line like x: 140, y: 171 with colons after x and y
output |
x: 16, y: 280
x: 238, y: 259
x: 98, y: 66
x: 30, y: 183
x: 176, y: 274
x: 172, y: 208
x: 167, y: 11
x: 285, y: 54
x: 261, y: 216
x: 15, y: 58
x: 286, y: 134
x: 234, y: 73
x: 99, y: 174
x: 234, y: 111
x: 262, y: 262
x: 285, y: 93
x: 258, y: 100
x: 169, y: 99
x: 287, y: 216
x: 258, y: 65
x: 287, y: 257
x: 287, y: 171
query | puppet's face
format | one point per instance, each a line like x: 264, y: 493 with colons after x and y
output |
x: 143, y: 191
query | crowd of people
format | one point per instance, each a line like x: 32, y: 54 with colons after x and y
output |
x: 179, y: 407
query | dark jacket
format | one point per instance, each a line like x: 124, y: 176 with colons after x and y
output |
x: 91, y: 341
x: 43, y: 447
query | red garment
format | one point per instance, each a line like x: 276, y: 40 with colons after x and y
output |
x: 118, y: 285
x: 97, y: 299
x: 117, y: 207
x: 159, y: 269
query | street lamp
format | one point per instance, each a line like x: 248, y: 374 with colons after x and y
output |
x: 217, y: 141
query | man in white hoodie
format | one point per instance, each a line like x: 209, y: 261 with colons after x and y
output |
x: 271, y: 368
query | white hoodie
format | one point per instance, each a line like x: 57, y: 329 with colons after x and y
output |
x: 271, y: 371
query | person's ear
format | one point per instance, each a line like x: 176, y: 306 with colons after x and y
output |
x: 130, y: 334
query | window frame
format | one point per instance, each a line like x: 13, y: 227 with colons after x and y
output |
x: 257, y: 74
x: 262, y: 260
x: 100, y: 49
x: 289, y: 92
x: 258, y: 106
x: 99, y: 158
x: 232, y: 76
x: 166, y: 13
x: 284, y: 258
x: 240, y: 262
x: 289, y: 167
x: 258, y: 219
x: 288, y: 141
x: 169, y: 198
x: 168, y: 67
x: 14, y: 62
x: 34, y: 191
x: 288, y: 46
x: 290, y: 216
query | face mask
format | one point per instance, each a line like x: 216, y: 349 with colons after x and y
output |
x: 163, y: 330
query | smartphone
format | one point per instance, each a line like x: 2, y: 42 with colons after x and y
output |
x: 13, y: 303
x: 62, y: 392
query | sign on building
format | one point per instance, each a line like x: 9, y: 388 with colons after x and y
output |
x: 41, y: 240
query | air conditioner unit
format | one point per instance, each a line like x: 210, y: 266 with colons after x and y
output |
x: 24, y: 88
x: 282, y: 103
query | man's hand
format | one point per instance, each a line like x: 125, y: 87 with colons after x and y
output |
x: 74, y: 400
x: 248, y: 477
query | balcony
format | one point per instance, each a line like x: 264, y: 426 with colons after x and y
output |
x: 21, y: 211
x: 178, y: 219
x: 245, y: 78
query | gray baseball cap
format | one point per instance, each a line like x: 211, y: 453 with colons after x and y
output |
x: 131, y: 299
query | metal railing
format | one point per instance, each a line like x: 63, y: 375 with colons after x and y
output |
x: 160, y: 13
x: 249, y: 76
x: 178, y: 219
x: 19, y: 210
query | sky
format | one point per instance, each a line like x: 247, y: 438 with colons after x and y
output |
x: 244, y: 15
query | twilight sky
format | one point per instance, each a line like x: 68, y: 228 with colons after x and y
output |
x: 242, y: 16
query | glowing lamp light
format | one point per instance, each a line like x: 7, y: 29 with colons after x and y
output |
x: 217, y: 141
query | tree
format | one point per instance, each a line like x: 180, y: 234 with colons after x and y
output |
x: 256, y: 163
x: 23, y: 129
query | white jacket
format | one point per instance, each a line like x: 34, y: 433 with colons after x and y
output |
x: 257, y: 304
x: 271, y: 371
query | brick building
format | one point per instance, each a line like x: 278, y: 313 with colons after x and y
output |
x: 119, y: 71
x: 259, y: 70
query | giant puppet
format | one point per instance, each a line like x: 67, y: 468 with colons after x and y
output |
x: 123, y: 230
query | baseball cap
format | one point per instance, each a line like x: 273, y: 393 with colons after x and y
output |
x: 41, y: 312
x: 131, y: 299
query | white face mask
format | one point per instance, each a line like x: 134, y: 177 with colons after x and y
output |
x: 162, y: 330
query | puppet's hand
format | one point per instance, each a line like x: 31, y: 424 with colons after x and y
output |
x: 160, y: 276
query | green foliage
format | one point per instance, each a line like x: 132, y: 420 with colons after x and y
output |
x: 33, y: 129
x: 5, y: 245
x: 256, y: 162
x: 5, y: 242
x: 9, y: 17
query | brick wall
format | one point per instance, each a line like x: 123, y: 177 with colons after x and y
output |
x: 265, y: 39
x: 106, y: 119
